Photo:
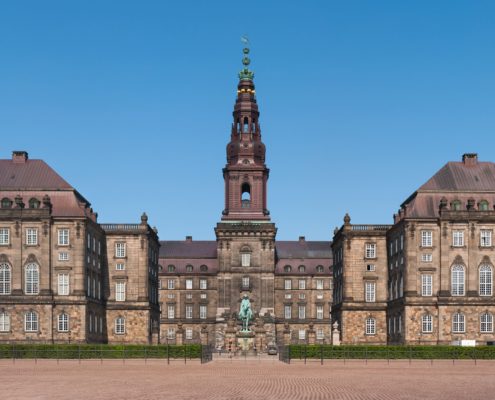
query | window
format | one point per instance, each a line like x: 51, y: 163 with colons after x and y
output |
x: 32, y: 279
x: 120, y: 266
x: 5, y: 278
x: 189, y: 268
x: 486, y: 323
x: 483, y: 205
x: 319, y: 268
x: 427, y: 323
x: 120, y: 326
x: 319, y: 284
x: 458, y: 238
x: 287, y: 268
x: 245, y: 282
x: 188, y: 296
x: 189, y: 333
x: 426, y: 285
x: 171, y: 284
x: 170, y: 311
x: 426, y: 257
x: 458, y: 323
x: 63, y: 256
x: 171, y: 268
x: 370, y: 326
x: 4, y: 322
x: 4, y: 236
x: 302, y: 296
x: 63, y: 322
x: 202, y: 312
x: 170, y: 333
x: 457, y: 280
x: 301, y: 268
x: 203, y: 284
x: 189, y: 284
x: 370, y: 250
x: 456, y: 205
x: 63, y: 284
x: 189, y: 311
x: 31, y: 321
x: 486, y: 280
x: 119, y: 250
x: 288, y: 312
x: 245, y: 259
x: 370, y: 267
x: 302, y: 312
x: 302, y: 334
x: 6, y: 203
x: 203, y: 268
x: 426, y: 238
x: 288, y: 284
x: 401, y: 241
x: 319, y: 312
x: 320, y: 334
x: 485, y: 238
x: 31, y: 236
x: 63, y: 237
x: 302, y: 284
x: 120, y: 291
x: 369, y: 288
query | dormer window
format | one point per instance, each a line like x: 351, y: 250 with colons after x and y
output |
x: 6, y: 203
x: 171, y: 268
x: 287, y: 268
x: 301, y: 268
x: 483, y: 205
x: 34, y: 203
x: 203, y: 268
x: 189, y: 268
x: 319, y: 268
x: 456, y: 205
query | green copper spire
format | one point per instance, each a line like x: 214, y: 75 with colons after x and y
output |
x: 246, y: 73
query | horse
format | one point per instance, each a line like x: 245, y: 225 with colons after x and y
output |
x: 245, y: 314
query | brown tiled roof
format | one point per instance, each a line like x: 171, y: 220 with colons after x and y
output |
x: 303, y: 249
x: 30, y: 175
x: 188, y: 249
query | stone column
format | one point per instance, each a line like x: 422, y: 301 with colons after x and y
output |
x: 179, y: 335
x: 311, y: 334
x: 286, y: 334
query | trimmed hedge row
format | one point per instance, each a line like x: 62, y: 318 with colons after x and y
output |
x: 88, y: 351
x: 391, y: 352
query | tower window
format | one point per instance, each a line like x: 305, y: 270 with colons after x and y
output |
x: 246, y: 195
x: 245, y: 128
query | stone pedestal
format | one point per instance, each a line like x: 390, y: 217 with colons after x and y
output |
x: 204, y: 335
x: 335, y: 334
x: 286, y: 335
x: 155, y: 333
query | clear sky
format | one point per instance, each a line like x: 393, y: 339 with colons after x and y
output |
x: 361, y: 102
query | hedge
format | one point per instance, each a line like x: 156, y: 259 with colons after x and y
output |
x: 88, y: 351
x: 391, y: 352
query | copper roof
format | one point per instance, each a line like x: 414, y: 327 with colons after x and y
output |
x: 188, y: 249
x: 303, y: 249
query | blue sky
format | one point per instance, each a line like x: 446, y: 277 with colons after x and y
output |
x: 361, y: 102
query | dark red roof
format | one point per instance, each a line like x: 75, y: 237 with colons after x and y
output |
x: 303, y: 249
x: 188, y: 249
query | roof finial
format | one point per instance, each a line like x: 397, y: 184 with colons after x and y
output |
x: 245, y: 73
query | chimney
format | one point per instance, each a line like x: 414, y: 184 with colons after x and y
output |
x: 19, y: 157
x: 302, y: 239
x: 188, y: 239
x: 470, y: 159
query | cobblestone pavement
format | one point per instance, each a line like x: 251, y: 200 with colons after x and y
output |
x: 247, y: 379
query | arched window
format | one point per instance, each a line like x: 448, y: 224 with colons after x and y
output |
x: 458, y: 323
x: 287, y: 268
x: 301, y: 268
x: 6, y: 203
x: 483, y: 205
x: 31, y: 321
x: 238, y: 126
x: 63, y: 322
x: 456, y: 205
x: 32, y: 279
x: 203, y: 268
x: 4, y: 321
x: 253, y: 126
x: 370, y: 326
x: 319, y: 268
x: 458, y: 278
x: 245, y: 195
x: 486, y: 280
x: 120, y: 326
x: 245, y: 129
x: 171, y: 268
x: 34, y: 203
x: 486, y: 323
x: 189, y: 268
x: 5, y: 278
x: 427, y: 323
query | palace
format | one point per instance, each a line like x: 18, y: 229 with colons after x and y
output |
x: 425, y: 279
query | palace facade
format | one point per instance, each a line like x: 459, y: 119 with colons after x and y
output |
x: 425, y: 279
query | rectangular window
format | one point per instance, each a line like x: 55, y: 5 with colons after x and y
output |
x: 288, y: 284
x: 189, y: 311
x: 426, y: 257
x: 246, y: 259
x: 63, y: 284
x: 302, y: 296
x: 370, y: 326
x: 427, y: 324
x: 188, y: 296
x: 302, y: 334
x: 369, y: 288
x: 245, y: 282
x: 31, y: 322
x: 426, y: 238
x: 486, y: 323
x: 458, y: 323
x: 63, y: 256
x: 202, y: 296
x: 370, y: 250
x: 302, y: 284
x: 189, y: 284
x: 319, y: 284
x: 170, y: 311
x: 370, y: 267
x: 288, y: 312
x: 120, y: 291
x: 120, y: 326
x: 171, y: 284
x: 202, y: 312
x: 401, y: 241
x: 426, y: 285
x: 485, y: 238
x: 189, y: 334
x: 302, y: 312
x: 4, y: 322
x: 170, y: 333
x: 119, y: 250
x: 89, y: 240
x: 63, y: 323
x: 288, y: 296
x: 31, y: 236
x: 120, y: 266
x: 4, y: 236
x: 319, y: 312
x: 320, y: 334
x: 63, y: 237
x: 203, y: 284
x: 458, y: 238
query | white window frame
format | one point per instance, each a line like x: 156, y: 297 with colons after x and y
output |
x: 302, y: 284
x: 32, y: 276
x: 458, y: 323
x: 4, y: 236
x: 486, y: 323
x: 63, y: 322
x: 245, y: 282
x: 458, y: 238
x: 171, y: 284
x: 370, y: 267
x: 426, y: 257
x: 301, y: 312
x: 189, y: 311
x: 189, y: 284
x: 319, y: 284
x: 171, y: 334
x: 189, y: 334
x: 5, y: 278
x: 120, y: 249
x: 120, y: 266
x: 427, y: 323
x: 63, y: 284
x: 120, y: 292
x: 319, y: 312
x: 370, y: 291
x: 31, y: 321
x: 120, y: 326
x: 302, y: 334
x: 426, y: 238
x: 4, y: 322
x: 203, y: 284
x: 485, y: 280
x: 370, y: 250
x: 370, y: 326
x: 63, y: 256
x: 246, y: 259
x: 485, y: 238
x: 320, y: 334
x: 31, y: 236
x: 203, y: 311
x: 170, y: 311
x: 63, y: 237
x: 458, y: 280
x: 288, y: 312
x: 426, y: 285
x: 288, y: 284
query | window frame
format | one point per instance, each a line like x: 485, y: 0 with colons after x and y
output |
x: 120, y: 249
x: 4, y: 236
x: 458, y: 323
x: 485, y: 280
x: 63, y: 284
x: 486, y: 237
x: 63, y: 237
x: 370, y: 250
x: 32, y: 279
x: 119, y: 326
x: 63, y: 322
x: 120, y: 291
x: 31, y: 321
x: 427, y: 323
x: 426, y: 238
x: 370, y: 291
x: 5, y: 278
x: 287, y: 311
x: 457, y: 238
x: 31, y: 236
x: 4, y: 321
x: 457, y: 272
x: 486, y: 322
x: 426, y: 285
x: 370, y: 326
